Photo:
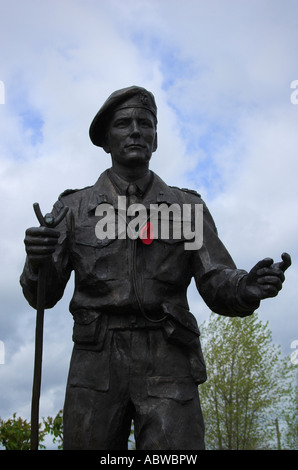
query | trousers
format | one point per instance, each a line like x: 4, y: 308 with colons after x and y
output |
x: 137, y: 376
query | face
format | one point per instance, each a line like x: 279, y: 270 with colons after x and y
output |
x: 131, y: 136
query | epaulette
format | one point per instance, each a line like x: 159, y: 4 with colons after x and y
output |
x: 67, y: 192
x: 71, y: 191
x: 191, y: 191
x: 59, y: 203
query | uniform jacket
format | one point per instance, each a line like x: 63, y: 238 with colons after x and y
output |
x: 122, y: 276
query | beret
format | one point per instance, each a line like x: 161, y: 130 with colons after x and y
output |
x: 130, y: 97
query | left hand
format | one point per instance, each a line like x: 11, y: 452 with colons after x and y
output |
x: 265, y: 279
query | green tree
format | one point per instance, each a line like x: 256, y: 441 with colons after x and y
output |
x: 15, y: 434
x: 54, y: 426
x: 290, y: 420
x: 249, y: 385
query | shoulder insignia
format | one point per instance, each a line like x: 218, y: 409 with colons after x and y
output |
x: 71, y: 191
x: 67, y: 192
x: 191, y: 191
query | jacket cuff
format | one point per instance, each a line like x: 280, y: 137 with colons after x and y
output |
x: 247, y: 308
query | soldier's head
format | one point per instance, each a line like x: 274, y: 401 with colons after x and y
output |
x: 125, y: 126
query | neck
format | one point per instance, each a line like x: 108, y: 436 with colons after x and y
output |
x: 130, y: 174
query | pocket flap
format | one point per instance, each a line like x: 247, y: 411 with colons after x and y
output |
x: 85, y: 235
x: 177, y: 388
x: 86, y: 327
x: 182, y: 315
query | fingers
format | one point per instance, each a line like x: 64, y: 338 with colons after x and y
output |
x: 266, y: 266
x: 41, y: 241
x: 273, y: 272
x: 269, y: 290
x: 268, y: 276
x: 264, y: 263
x: 271, y: 284
x: 277, y: 270
x: 42, y: 232
x: 286, y: 261
x: 40, y: 250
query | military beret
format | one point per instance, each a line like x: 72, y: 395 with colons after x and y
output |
x: 131, y: 97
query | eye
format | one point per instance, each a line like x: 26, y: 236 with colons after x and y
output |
x: 121, y: 123
x: 146, y: 123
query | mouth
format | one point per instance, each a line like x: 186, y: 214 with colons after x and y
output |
x: 134, y: 146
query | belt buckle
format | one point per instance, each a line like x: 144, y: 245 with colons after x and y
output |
x: 133, y: 320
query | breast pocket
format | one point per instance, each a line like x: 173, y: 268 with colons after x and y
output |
x: 165, y: 258
x: 91, y: 255
x: 85, y: 235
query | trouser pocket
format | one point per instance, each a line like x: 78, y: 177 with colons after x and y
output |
x: 89, y: 330
x: 180, y: 325
x: 181, y: 389
x: 181, y: 329
x: 90, y: 369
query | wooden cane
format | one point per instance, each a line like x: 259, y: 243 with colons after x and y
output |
x: 47, y: 221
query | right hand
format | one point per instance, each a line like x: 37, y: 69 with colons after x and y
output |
x: 265, y: 279
x: 40, y: 243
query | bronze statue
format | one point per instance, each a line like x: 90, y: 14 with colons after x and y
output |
x: 137, y: 353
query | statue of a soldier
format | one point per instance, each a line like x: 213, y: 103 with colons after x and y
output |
x: 137, y: 352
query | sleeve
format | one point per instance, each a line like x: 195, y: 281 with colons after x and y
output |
x: 58, y: 269
x: 216, y: 276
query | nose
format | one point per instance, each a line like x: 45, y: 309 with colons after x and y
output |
x: 135, y: 131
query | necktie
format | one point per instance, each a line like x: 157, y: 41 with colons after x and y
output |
x: 132, y: 193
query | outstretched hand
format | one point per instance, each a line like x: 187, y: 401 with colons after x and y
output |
x: 265, y: 279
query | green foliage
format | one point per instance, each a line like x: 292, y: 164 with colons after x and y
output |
x: 290, y: 418
x: 54, y: 426
x: 131, y: 440
x: 248, y: 384
x: 15, y: 432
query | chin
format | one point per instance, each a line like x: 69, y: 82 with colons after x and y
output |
x: 134, y: 160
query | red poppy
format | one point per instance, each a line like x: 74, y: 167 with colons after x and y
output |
x: 146, y: 233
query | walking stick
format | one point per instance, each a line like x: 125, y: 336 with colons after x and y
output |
x: 47, y: 221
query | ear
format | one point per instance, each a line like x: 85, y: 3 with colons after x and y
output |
x: 106, y: 148
x: 154, y: 144
x: 105, y: 144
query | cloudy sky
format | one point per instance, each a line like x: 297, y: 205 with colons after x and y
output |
x: 221, y: 72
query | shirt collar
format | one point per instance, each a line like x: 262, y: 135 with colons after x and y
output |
x: 154, y: 189
x: 121, y: 184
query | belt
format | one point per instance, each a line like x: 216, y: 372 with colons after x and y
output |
x: 131, y: 321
